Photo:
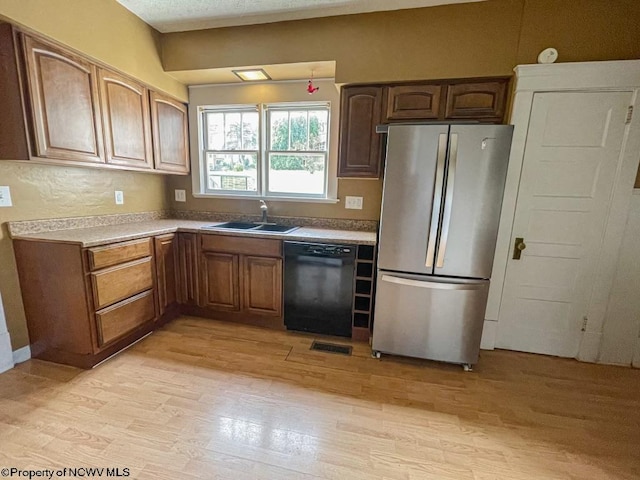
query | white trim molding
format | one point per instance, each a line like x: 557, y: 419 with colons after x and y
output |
x: 579, y: 76
x: 22, y: 354
x: 6, y: 357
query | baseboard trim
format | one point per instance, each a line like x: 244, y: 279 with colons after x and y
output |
x: 22, y: 354
x: 489, y: 332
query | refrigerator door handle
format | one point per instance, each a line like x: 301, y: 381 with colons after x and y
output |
x: 436, y: 285
x: 448, y: 200
x: 437, y: 199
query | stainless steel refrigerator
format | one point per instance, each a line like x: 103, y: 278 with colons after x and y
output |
x: 442, y: 195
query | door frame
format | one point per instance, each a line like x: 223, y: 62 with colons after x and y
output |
x: 567, y: 77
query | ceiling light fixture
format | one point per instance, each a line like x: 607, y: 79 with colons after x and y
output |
x: 252, y: 75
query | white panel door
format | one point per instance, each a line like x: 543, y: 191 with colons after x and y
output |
x: 572, y: 154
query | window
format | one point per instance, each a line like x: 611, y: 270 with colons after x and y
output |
x: 278, y: 150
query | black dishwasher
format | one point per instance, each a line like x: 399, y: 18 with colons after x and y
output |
x: 318, y: 287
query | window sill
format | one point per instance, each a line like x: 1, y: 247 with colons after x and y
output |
x: 268, y: 199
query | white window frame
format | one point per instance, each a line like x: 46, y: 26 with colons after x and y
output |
x: 299, y: 106
x: 204, y: 129
x: 264, y: 134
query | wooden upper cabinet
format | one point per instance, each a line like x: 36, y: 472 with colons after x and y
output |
x: 477, y: 100
x: 413, y: 102
x: 170, y: 134
x: 126, y: 119
x: 63, y: 89
x: 360, y: 113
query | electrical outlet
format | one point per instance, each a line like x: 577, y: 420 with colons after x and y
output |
x: 119, y: 197
x: 354, y: 203
x: 181, y: 195
x: 5, y: 197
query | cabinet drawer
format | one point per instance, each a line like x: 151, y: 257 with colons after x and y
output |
x: 117, y: 283
x: 250, y: 246
x: 124, y: 317
x: 101, y: 257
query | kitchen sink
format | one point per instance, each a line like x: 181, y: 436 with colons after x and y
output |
x: 254, y: 227
x: 235, y: 225
x: 274, y: 228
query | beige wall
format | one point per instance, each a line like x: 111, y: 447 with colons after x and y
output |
x: 370, y: 190
x: 107, y: 32
x: 464, y: 40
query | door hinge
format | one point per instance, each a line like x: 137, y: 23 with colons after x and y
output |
x: 585, y: 320
x: 629, y: 115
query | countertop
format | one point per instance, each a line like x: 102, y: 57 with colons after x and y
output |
x: 94, y: 236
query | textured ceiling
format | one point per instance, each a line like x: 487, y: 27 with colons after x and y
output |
x: 181, y: 15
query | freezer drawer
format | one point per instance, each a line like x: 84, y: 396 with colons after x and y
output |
x: 429, y: 317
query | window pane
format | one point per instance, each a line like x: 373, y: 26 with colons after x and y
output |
x: 232, y: 131
x: 299, y: 130
x: 232, y: 171
x: 250, y: 131
x: 296, y: 173
x: 318, y: 120
x: 215, y: 131
x: 279, y: 130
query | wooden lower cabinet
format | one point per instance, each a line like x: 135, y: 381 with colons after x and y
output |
x: 166, y: 247
x: 188, y: 278
x: 221, y: 281
x: 242, y: 276
x: 262, y: 285
x: 85, y: 304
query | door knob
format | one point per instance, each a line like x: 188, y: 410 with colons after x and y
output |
x: 518, y: 247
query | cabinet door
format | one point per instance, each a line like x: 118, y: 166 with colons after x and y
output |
x: 413, y: 102
x: 64, y: 103
x: 481, y: 100
x: 262, y: 278
x: 170, y: 137
x: 188, y: 268
x: 360, y: 112
x: 126, y: 120
x: 220, y: 281
x: 166, y: 271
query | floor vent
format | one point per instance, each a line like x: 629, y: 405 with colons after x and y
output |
x: 331, y: 348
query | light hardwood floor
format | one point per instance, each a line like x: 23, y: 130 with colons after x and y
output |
x: 212, y: 400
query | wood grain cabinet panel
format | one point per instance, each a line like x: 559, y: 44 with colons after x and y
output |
x: 126, y: 119
x: 221, y: 281
x: 170, y: 134
x: 120, y: 319
x: 413, y: 102
x: 262, y: 280
x: 106, y: 256
x: 63, y: 90
x: 249, y: 246
x: 188, y: 278
x: 360, y: 113
x: 481, y: 100
x: 122, y: 281
x: 85, y: 304
x: 166, y: 271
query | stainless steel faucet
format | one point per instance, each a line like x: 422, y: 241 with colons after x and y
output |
x: 264, y: 209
